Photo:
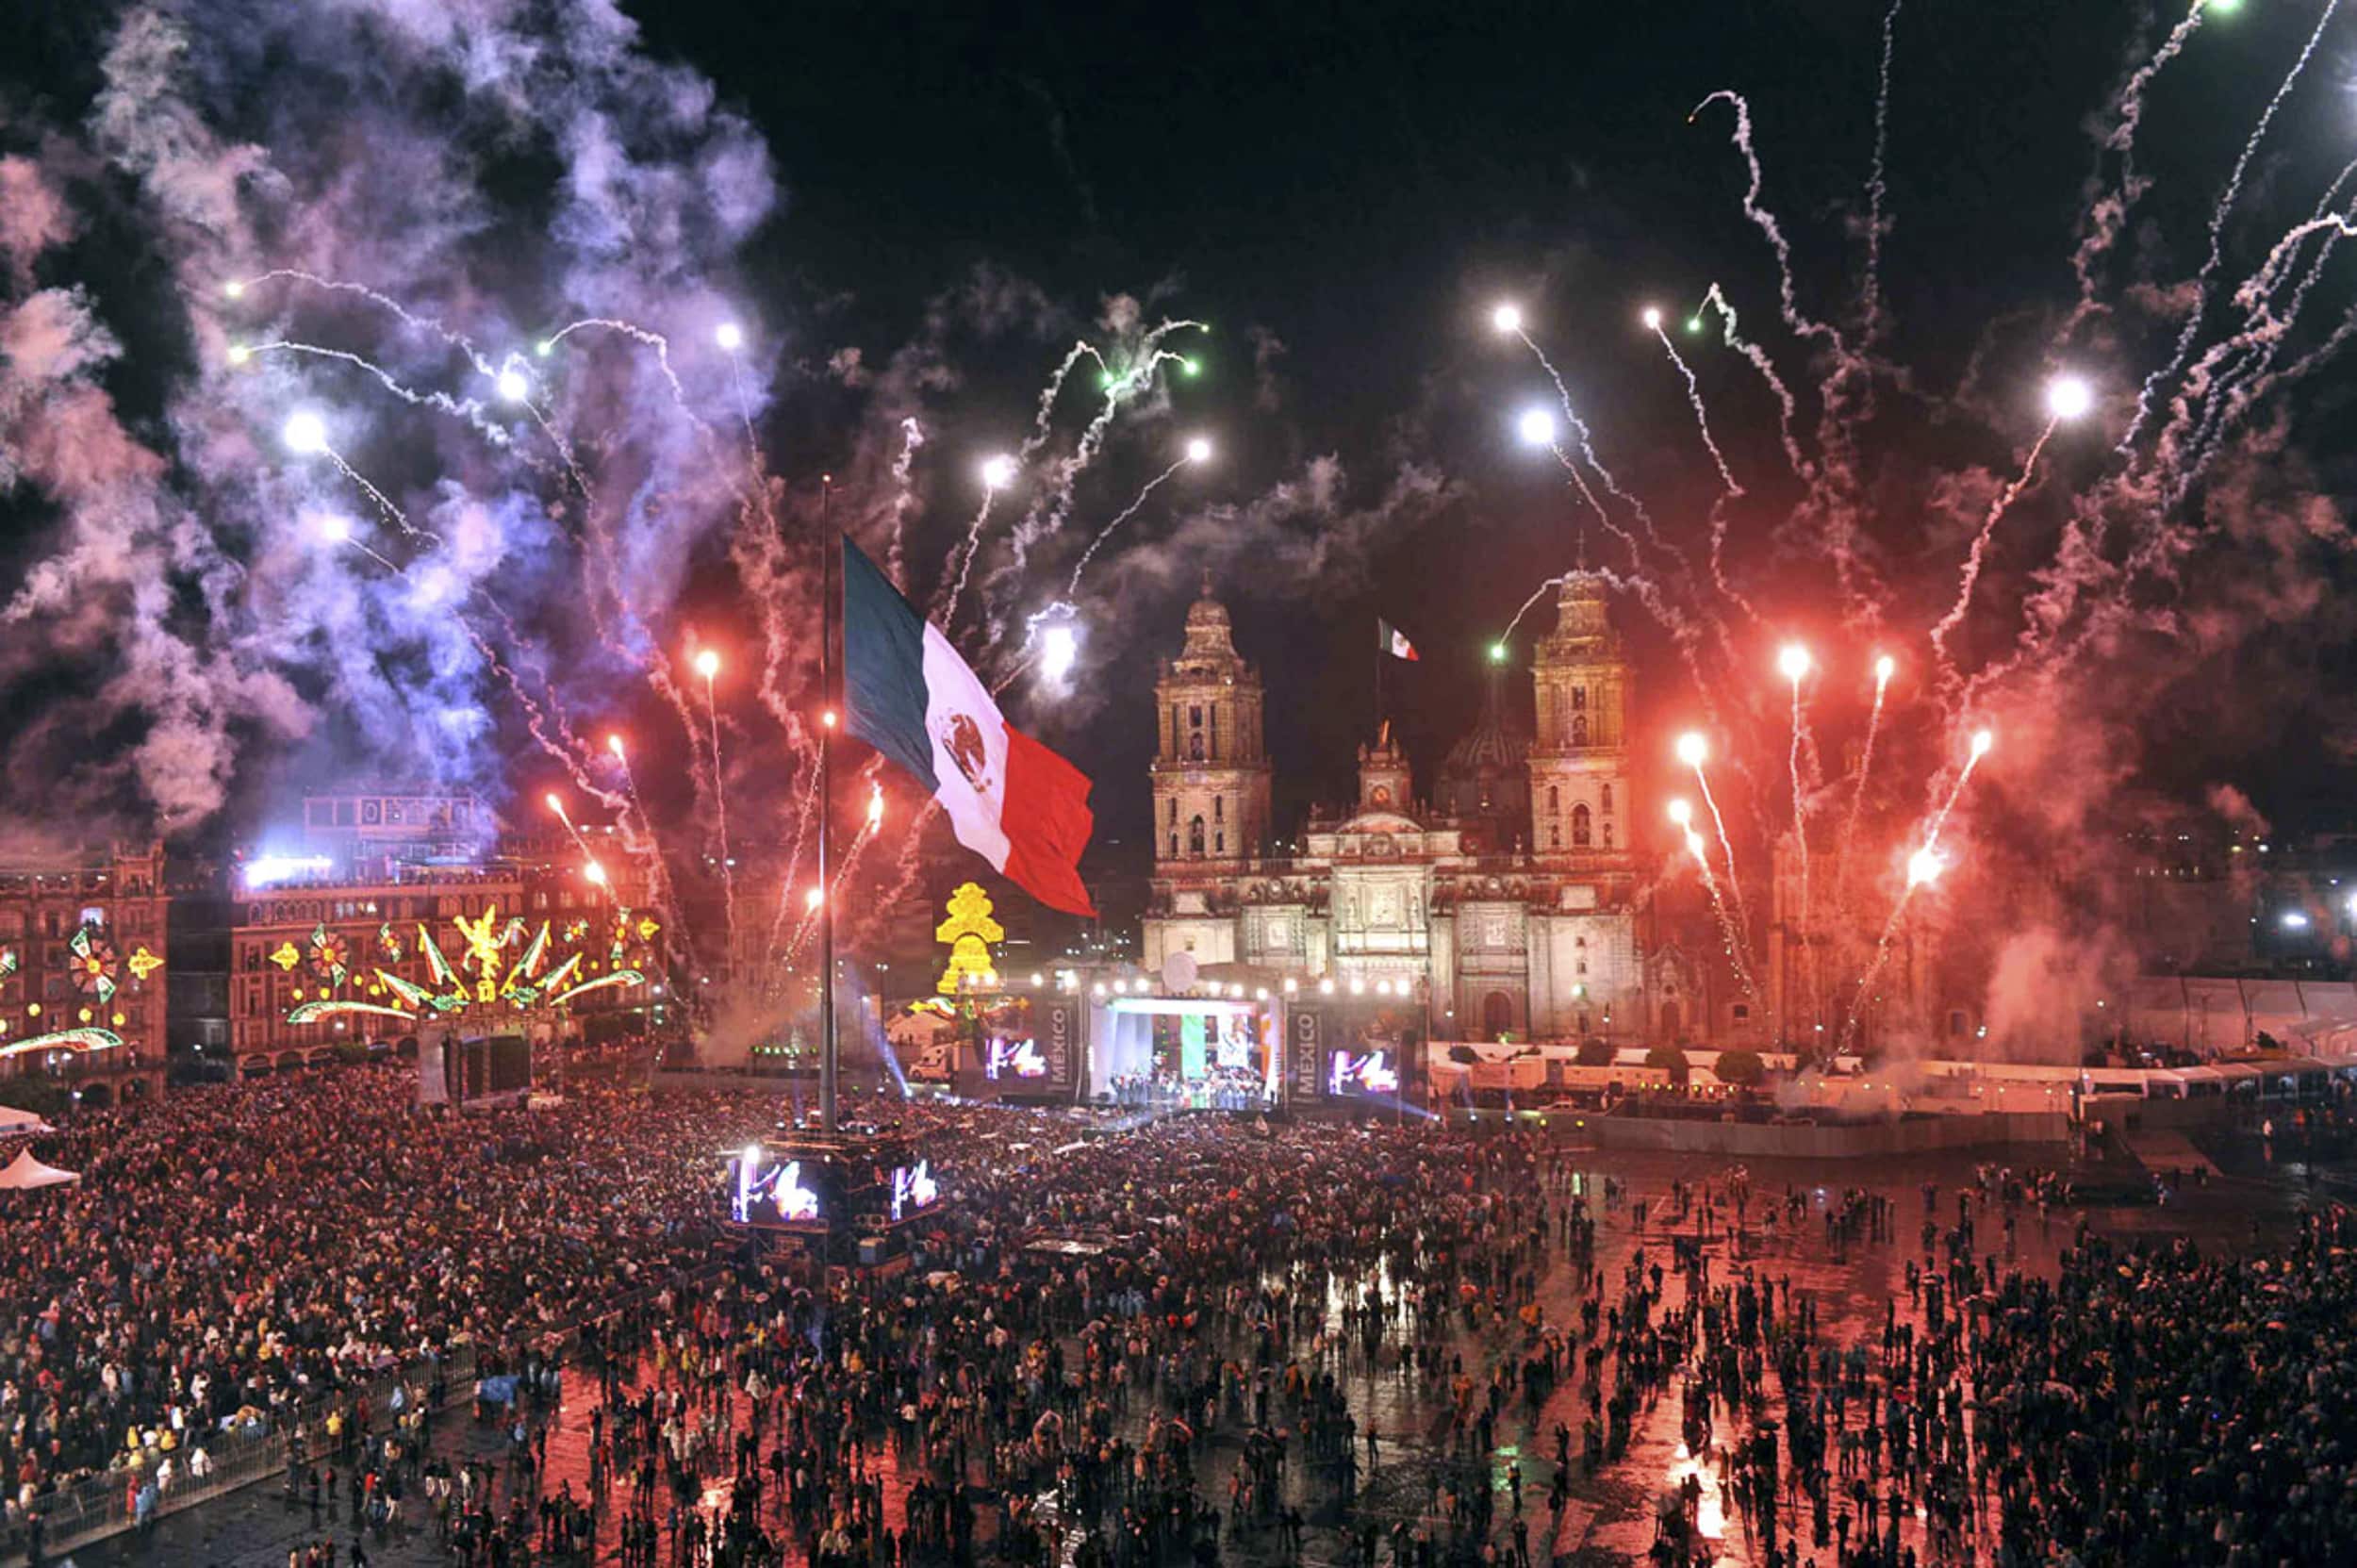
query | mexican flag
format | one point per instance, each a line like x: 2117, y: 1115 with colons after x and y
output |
x: 1392, y: 640
x: 906, y: 692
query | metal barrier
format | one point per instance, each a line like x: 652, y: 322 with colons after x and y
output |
x: 107, y: 1504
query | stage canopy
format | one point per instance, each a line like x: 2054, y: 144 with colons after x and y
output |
x: 26, y: 1172
x: 17, y: 1124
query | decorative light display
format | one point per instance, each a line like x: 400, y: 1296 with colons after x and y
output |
x: 967, y: 934
x: 95, y: 964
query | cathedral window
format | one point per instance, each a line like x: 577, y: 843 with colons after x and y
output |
x: 1607, y: 835
x: 1194, y: 746
x: 1174, y: 811
x: 1579, y: 698
x: 1579, y: 729
x: 1219, y: 808
x: 1608, y: 799
x: 1216, y: 731
x: 1555, y: 835
x: 1219, y: 843
x: 1195, y: 836
x: 1194, y: 716
x: 1174, y: 846
x: 1554, y: 799
x: 1579, y: 827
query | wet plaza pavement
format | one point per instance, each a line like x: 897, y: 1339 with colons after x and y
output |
x: 1608, y: 1517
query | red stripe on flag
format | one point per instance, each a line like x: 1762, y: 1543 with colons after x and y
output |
x: 1046, y: 820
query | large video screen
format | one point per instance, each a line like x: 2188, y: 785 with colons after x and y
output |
x: 914, y: 1190
x: 775, y: 1193
x: 1011, y: 1047
x: 1362, y: 1072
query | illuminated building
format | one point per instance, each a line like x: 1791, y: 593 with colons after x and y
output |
x: 1510, y: 907
x: 83, y: 946
x: 354, y: 884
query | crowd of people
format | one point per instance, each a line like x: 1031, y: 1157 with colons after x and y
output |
x: 1196, y: 1337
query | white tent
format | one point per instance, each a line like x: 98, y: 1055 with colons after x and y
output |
x: 26, y: 1172
x: 20, y: 1124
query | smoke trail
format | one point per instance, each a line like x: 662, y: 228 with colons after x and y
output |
x: 1979, y: 547
x: 1054, y: 503
x: 2103, y: 220
x: 1073, y: 587
x: 1588, y: 450
x: 1537, y: 594
x: 903, y: 497
x: 467, y: 409
x: 1733, y: 492
x: 1766, y: 222
x: 2218, y: 234
x: 946, y: 612
x: 1875, y: 188
x: 1786, y: 409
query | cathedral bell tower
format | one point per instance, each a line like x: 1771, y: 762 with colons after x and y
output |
x: 1580, y: 798
x: 1211, y: 775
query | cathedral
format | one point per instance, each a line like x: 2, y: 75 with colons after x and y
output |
x: 1509, y: 905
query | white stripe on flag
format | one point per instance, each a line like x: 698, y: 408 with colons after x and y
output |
x: 969, y: 741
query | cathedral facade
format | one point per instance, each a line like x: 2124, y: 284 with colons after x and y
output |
x: 1510, y: 905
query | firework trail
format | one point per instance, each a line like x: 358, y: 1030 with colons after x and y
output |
x: 1537, y: 594
x: 239, y: 289
x: 1800, y: 838
x: 1981, y: 743
x: 720, y: 812
x: 2103, y: 220
x: 1128, y: 512
x: 1786, y: 409
x: 1857, y: 794
x: 1979, y: 548
x: 1766, y: 222
x: 1043, y: 424
x: 1726, y: 847
x: 1588, y: 450
x: 1047, y: 512
x: 1737, y: 945
x: 2231, y: 392
x: 654, y: 340
x: 468, y: 409
x: 1873, y: 968
x: 1734, y: 491
x: 2227, y: 395
x: 2218, y: 234
x: 1876, y: 189
x: 903, y: 497
x: 805, y: 810
x: 948, y: 612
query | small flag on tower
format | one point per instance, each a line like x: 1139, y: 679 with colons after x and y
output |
x: 1009, y: 800
x: 1392, y: 640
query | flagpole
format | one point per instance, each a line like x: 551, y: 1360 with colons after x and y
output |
x: 828, y: 1061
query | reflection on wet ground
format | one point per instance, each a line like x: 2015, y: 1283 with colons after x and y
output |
x: 1419, y: 1476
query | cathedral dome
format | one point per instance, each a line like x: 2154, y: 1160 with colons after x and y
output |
x: 1484, y: 773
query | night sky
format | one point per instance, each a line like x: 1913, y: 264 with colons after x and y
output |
x: 1363, y: 181
x: 1343, y: 193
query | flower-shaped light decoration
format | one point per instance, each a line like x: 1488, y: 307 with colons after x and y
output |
x: 95, y: 964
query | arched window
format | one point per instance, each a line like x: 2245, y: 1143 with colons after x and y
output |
x: 1555, y: 835
x: 1579, y: 827
x: 1579, y: 698
x: 1194, y: 746
x: 1174, y: 811
x: 1497, y: 1015
x: 1608, y: 799
x: 1195, y: 836
x: 1607, y: 835
x: 1579, y: 729
x: 1194, y: 716
x: 1219, y: 808
x: 1174, y: 846
x: 1219, y: 843
x: 1554, y: 799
